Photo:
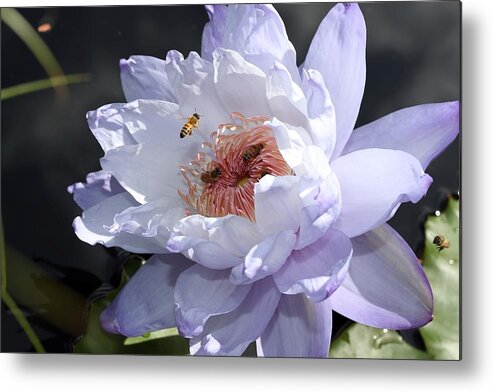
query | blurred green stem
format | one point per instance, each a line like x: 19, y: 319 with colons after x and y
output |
x: 19, y: 316
x: 29, y: 87
x: 12, y: 18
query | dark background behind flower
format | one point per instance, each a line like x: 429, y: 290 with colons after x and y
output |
x: 413, y: 57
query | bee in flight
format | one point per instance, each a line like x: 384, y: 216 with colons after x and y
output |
x: 441, y: 242
x: 253, y: 152
x: 211, y: 176
x: 190, y: 125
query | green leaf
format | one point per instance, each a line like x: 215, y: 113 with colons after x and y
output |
x: 163, y: 333
x: 441, y: 336
x: 360, y: 341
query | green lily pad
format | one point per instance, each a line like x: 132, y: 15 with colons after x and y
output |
x: 360, y: 341
x: 441, y: 336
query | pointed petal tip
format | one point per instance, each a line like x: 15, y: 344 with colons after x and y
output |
x: 126, y: 64
x: 107, y: 319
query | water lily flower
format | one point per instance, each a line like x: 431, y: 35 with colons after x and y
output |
x: 273, y: 212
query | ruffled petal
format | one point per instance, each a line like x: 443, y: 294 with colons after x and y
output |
x: 286, y: 99
x: 240, y: 85
x: 141, y: 170
x: 423, y: 131
x: 256, y: 31
x: 213, y: 242
x: 317, y: 270
x: 291, y: 142
x: 386, y: 286
x: 146, y: 303
x: 320, y: 195
x: 337, y: 51
x: 152, y: 220
x: 277, y: 204
x: 230, y: 334
x: 98, y: 186
x: 144, y: 77
x: 321, y: 112
x: 201, y: 293
x: 192, y: 80
x: 265, y: 258
x: 141, y: 121
x: 299, y: 328
x: 93, y: 227
x: 374, y: 183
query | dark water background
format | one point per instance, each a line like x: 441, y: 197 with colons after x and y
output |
x: 413, y: 57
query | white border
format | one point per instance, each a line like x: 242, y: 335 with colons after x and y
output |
x: 473, y: 373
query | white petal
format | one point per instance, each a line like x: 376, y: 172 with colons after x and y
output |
x: 192, y: 80
x: 240, y: 85
x: 144, y: 77
x: 92, y: 227
x: 154, y: 220
x: 286, y: 99
x: 291, y: 142
x: 142, y: 121
x: 98, y: 186
x: 277, y: 203
x: 321, y: 112
x: 265, y: 258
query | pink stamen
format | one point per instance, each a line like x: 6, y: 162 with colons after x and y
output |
x: 222, y: 181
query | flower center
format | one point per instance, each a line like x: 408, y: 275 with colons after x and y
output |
x: 221, y: 179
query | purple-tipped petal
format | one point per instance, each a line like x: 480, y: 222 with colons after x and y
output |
x: 423, y: 131
x: 107, y: 318
x: 212, y: 35
x: 338, y: 51
x: 318, y: 269
x: 386, y: 286
x: 146, y: 303
x: 374, y: 183
x: 299, y: 328
x: 230, y: 334
x: 256, y: 31
x: 201, y: 293
x: 144, y: 77
x: 98, y: 186
x: 264, y: 258
x: 93, y: 227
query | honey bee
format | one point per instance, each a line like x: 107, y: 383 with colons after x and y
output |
x: 190, y: 125
x: 253, y: 152
x: 441, y: 242
x: 211, y: 176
